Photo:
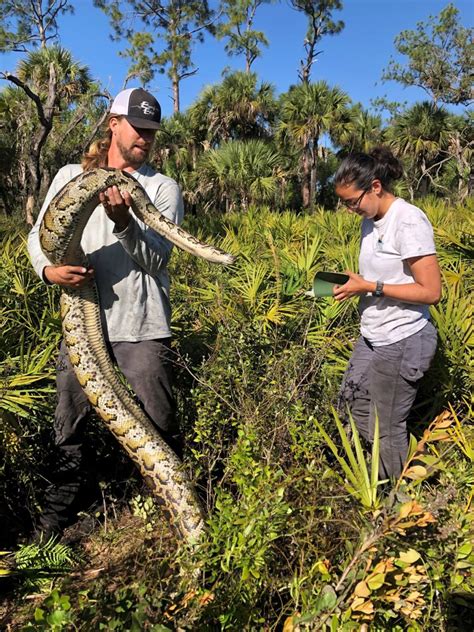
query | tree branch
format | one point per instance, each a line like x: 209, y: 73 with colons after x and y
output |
x: 34, y: 97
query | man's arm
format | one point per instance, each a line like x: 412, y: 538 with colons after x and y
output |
x: 66, y: 276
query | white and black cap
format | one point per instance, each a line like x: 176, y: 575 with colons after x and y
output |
x: 139, y: 107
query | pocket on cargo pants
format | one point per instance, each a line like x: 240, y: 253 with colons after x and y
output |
x: 418, y: 353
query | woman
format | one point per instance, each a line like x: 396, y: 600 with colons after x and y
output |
x: 399, y: 278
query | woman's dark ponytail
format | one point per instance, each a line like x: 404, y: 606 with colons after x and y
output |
x: 362, y: 169
x: 389, y: 167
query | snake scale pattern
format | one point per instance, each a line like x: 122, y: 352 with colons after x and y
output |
x: 60, y: 238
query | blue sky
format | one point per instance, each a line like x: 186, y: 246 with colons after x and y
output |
x: 353, y: 60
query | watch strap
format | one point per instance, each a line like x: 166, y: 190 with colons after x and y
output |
x: 379, y: 288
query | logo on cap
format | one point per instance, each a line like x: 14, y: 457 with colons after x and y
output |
x: 146, y: 108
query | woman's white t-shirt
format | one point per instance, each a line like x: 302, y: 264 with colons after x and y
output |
x: 403, y: 232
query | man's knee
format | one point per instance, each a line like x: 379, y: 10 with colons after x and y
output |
x: 71, y: 412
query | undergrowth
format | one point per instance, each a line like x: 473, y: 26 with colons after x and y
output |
x: 293, y: 540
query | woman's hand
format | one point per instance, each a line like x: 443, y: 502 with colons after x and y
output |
x: 117, y: 206
x: 425, y: 289
x: 356, y: 286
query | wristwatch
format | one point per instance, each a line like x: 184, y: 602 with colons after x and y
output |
x: 378, y: 288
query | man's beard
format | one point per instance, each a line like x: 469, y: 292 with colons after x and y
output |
x: 130, y: 157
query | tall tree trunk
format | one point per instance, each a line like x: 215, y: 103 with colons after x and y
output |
x: 310, y: 155
x: 314, y: 163
x: 33, y: 180
x: 312, y: 186
x: 45, y: 117
x: 306, y: 64
x: 464, y: 168
x: 29, y: 210
x: 175, y: 83
x: 304, y: 73
x: 424, y: 185
x: 306, y: 179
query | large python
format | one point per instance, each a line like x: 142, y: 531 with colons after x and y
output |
x: 60, y: 238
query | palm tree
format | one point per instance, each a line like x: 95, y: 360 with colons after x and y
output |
x: 307, y: 112
x: 237, y: 108
x: 182, y: 130
x: 179, y: 144
x: 420, y: 134
x: 363, y: 132
x: 244, y: 172
x: 72, y: 78
x: 52, y: 81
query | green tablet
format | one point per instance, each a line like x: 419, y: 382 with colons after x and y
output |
x: 324, y: 282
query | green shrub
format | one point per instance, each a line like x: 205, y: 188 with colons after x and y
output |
x: 257, y: 361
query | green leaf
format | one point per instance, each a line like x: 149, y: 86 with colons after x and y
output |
x: 465, y: 550
x: 409, y: 557
x: 376, y: 581
x: 39, y: 614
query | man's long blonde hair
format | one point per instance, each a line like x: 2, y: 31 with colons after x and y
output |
x: 96, y: 155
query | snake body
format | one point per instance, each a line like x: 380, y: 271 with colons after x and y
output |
x: 60, y: 238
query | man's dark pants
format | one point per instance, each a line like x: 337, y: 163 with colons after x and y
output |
x: 148, y: 369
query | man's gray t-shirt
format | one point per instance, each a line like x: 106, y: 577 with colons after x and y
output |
x: 404, y: 232
x: 130, y: 266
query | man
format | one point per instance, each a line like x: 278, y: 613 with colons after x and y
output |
x: 128, y: 261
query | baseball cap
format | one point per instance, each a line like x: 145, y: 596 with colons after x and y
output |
x: 139, y: 107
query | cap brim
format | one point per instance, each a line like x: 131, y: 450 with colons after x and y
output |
x: 142, y: 123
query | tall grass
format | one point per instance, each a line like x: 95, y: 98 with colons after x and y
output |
x: 298, y: 536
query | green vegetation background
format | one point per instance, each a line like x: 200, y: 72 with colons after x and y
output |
x: 300, y: 537
x: 292, y: 538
